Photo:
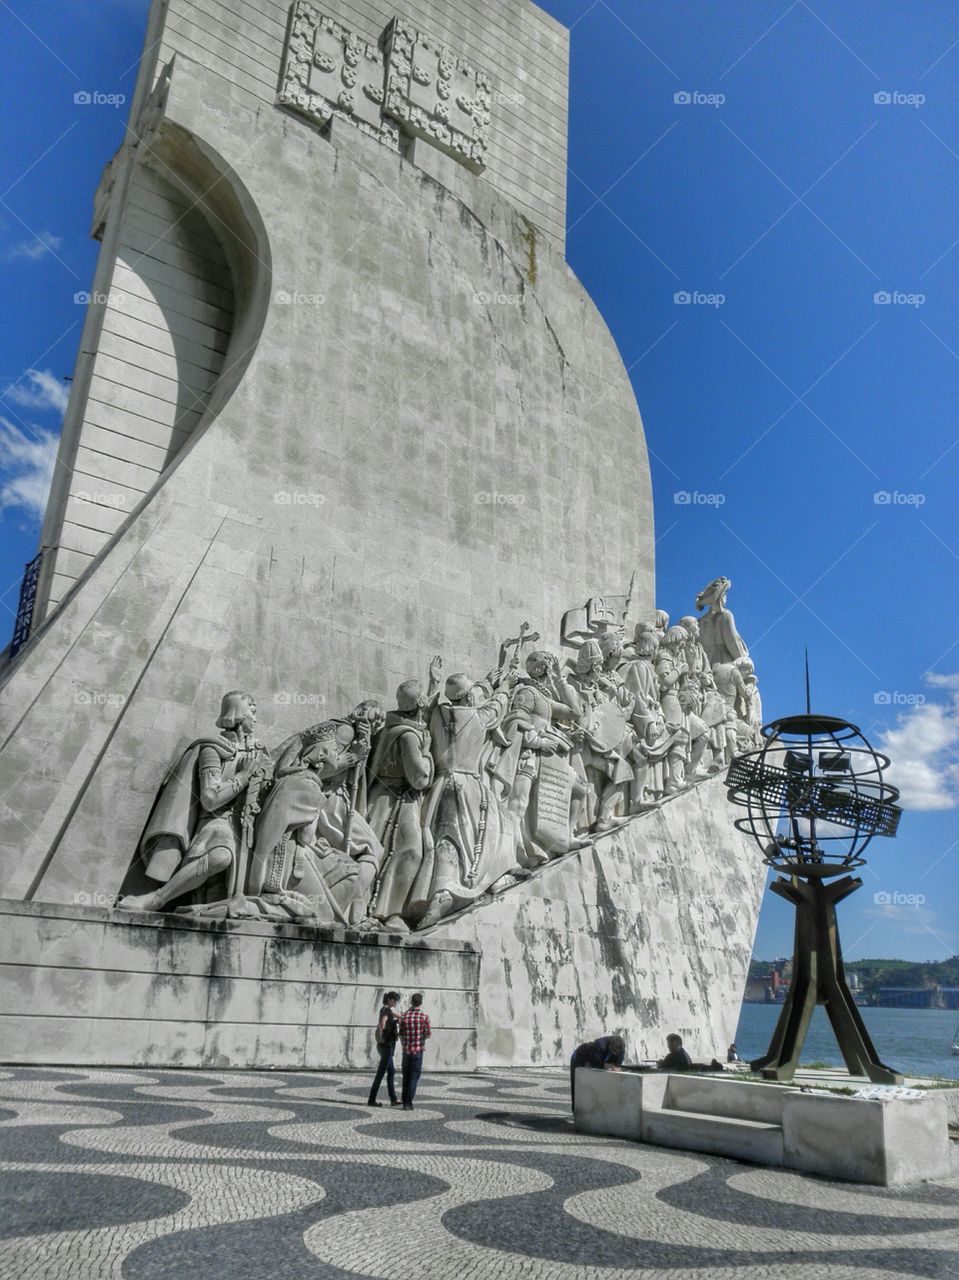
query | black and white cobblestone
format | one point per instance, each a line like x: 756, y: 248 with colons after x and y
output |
x: 143, y: 1175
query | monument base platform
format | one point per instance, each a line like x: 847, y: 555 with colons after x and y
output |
x: 85, y: 986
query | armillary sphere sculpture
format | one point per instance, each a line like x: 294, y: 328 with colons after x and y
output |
x: 814, y: 797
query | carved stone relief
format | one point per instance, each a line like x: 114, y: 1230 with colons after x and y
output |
x: 413, y: 84
x: 329, y: 71
x: 437, y: 96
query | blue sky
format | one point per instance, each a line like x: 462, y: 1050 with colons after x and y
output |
x: 792, y: 169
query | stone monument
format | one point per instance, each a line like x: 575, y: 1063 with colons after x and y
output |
x: 342, y: 407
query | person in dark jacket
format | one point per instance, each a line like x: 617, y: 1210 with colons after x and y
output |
x: 387, y: 1033
x: 606, y: 1053
x: 677, y: 1059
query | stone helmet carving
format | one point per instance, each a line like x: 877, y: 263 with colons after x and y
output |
x: 611, y: 644
x: 675, y: 636
x: 458, y: 686
x: 590, y: 655
x: 538, y: 660
x: 370, y: 710
x: 409, y: 696
x: 327, y: 729
x: 235, y: 707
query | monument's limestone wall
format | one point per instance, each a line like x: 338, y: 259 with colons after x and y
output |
x: 525, y: 51
x: 160, y: 315
x: 648, y: 932
x: 422, y: 434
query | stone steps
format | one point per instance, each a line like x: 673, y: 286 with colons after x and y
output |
x: 720, y: 1096
x: 754, y: 1140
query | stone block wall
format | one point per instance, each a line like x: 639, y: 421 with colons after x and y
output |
x: 160, y: 318
x: 523, y: 49
x: 649, y: 931
x: 92, y: 987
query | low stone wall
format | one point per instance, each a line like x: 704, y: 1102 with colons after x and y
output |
x: 93, y: 987
x: 648, y: 931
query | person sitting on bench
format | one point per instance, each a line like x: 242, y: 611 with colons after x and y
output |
x: 677, y: 1059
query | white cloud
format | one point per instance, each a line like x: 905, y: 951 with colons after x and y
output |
x: 36, y: 247
x: 915, y: 920
x: 942, y: 682
x: 924, y: 749
x: 26, y: 467
x: 39, y: 389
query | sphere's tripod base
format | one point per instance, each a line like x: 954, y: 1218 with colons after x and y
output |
x: 819, y: 978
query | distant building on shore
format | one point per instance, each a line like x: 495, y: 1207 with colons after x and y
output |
x: 919, y: 997
x: 758, y: 991
x: 769, y: 988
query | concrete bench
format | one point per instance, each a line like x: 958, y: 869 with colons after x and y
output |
x: 752, y: 1140
x: 879, y: 1141
x: 719, y: 1096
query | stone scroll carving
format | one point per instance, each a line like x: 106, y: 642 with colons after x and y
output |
x: 413, y: 84
x: 394, y: 819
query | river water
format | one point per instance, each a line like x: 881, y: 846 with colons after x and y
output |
x: 916, y: 1041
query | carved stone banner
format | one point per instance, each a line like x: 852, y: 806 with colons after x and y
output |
x: 600, y: 614
x: 419, y: 87
x: 436, y: 95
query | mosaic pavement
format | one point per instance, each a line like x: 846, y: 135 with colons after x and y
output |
x: 236, y: 1175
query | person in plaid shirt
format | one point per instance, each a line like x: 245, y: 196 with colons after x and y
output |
x: 415, y: 1030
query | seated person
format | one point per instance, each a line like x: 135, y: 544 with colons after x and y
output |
x: 677, y: 1059
x: 732, y: 1054
x: 606, y: 1053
